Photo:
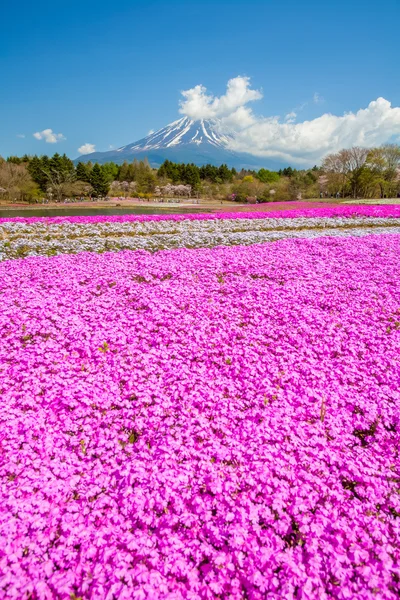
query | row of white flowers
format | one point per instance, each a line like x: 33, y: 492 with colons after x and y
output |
x: 12, y: 230
x: 41, y: 238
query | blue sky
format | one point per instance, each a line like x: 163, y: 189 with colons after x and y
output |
x: 106, y: 73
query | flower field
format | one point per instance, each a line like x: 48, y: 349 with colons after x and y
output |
x: 71, y: 235
x: 300, y: 209
x: 219, y: 422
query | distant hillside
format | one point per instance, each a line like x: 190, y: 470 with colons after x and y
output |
x: 185, y: 141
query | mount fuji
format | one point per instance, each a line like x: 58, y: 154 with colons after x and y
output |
x: 184, y: 141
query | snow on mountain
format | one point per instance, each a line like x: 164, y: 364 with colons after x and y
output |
x: 199, y: 142
x: 178, y: 133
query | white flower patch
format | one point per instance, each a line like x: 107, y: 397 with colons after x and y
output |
x: 42, y: 238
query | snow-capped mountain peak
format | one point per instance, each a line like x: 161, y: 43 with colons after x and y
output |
x: 183, y: 141
x: 181, y: 132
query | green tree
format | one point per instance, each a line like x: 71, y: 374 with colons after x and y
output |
x: 37, y: 169
x: 82, y: 172
x: 123, y: 171
x: 16, y: 160
x: 391, y: 153
x: 224, y: 173
x: 192, y: 176
x: 59, y: 173
x: 287, y: 172
x: 99, y: 181
x: 145, y: 178
x: 267, y: 176
x: 111, y: 171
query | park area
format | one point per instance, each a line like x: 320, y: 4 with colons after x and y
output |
x: 201, y: 406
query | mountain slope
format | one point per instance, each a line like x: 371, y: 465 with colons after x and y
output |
x: 184, y: 140
x: 182, y: 132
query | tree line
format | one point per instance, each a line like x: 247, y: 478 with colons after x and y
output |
x: 355, y: 172
x: 362, y: 172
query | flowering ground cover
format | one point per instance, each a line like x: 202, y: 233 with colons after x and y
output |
x: 300, y: 209
x: 210, y: 423
x: 47, y: 238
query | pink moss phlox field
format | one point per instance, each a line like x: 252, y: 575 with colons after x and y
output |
x: 202, y: 423
x: 388, y: 210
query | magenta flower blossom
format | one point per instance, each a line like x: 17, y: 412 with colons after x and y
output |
x: 340, y: 210
x: 195, y: 424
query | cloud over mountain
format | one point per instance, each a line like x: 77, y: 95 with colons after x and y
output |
x: 197, y: 104
x: 286, y: 138
x: 87, y: 149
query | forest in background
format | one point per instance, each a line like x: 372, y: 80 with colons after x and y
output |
x: 356, y: 172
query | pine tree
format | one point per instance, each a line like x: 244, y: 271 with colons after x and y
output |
x: 123, y: 172
x: 131, y: 173
x: 163, y: 171
x: 145, y: 177
x: 59, y: 172
x: 82, y: 172
x: 192, y: 176
x: 211, y: 173
x: 68, y: 168
x: 38, y: 169
x: 99, y: 181
x: 224, y: 173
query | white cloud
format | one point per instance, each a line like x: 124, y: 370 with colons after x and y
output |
x: 87, y: 149
x: 20, y: 135
x: 290, y: 117
x: 309, y: 141
x: 49, y: 136
x: 317, y: 98
x: 198, y: 104
x: 302, y: 143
